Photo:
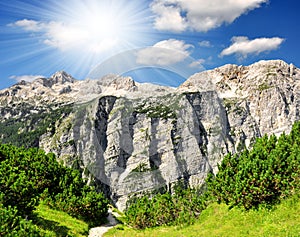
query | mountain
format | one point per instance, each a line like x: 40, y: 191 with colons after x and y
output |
x: 127, y: 137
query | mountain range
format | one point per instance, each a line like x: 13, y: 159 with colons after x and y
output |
x: 128, y: 137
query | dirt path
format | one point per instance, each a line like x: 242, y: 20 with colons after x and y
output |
x: 99, y: 231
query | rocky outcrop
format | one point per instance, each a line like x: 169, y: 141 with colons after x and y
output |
x: 128, y: 137
x: 260, y: 99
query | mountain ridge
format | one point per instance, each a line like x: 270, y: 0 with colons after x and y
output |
x: 129, y: 137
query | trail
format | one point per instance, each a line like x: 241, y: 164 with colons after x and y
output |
x: 101, y: 230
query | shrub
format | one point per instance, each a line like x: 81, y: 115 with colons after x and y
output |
x: 24, y: 175
x: 11, y: 224
x: 262, y: 176
x: 180, y: 208
x: 27, y: 175
x: 73, y: 196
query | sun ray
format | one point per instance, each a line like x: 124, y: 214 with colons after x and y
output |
x: 74, y: 34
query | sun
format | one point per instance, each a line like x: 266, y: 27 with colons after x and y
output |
x: 103, y: 30
x: 99, y: 26
x: 77, y: 35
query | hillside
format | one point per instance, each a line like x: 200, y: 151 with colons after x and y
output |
x: 129, y: 137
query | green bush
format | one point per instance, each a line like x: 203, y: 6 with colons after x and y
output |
x: 262, y: 176
x: 24, y: 175
x: 27, y: 175
x: 73, y: 196
x: 180, y: 208
x: 11, y: 224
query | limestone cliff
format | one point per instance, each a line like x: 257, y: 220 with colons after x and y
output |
x: 129, y: 137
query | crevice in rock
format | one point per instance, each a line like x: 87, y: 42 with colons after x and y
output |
x: 105, y: 106
x: 126, y: 137
x: 154, y: 155
x: 177, y: 150
x: 174, y: 138
x: 195, y: 100
x: 286, y: 104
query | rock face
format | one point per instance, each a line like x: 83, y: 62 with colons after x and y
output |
x: 128, y: 137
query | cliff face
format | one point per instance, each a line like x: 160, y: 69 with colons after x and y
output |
x: 129, y: 137
x: 259, y: 99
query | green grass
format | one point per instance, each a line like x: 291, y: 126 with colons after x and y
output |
x: 218, y: 220
x: 57, y: 223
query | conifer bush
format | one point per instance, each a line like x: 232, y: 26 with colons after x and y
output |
x: 73, y: 196
x: 263, y: 175
x: 24, y: 175
x: 28, y: 176
x: 180, y: 208
x: 11, y: 224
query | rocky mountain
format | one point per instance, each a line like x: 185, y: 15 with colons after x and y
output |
x: 128, y: 137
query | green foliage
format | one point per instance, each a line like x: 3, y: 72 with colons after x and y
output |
x: 157, y: 111
x: 73, y: 196
x: 261, y: 176
x: 264, y: 86
x: 230, y: 103
x: 11, y: 224
x: 180, y: 208
x: 24, y: 175
x: 27, y: 175
x: 218, y: 220
x: 143, y: 167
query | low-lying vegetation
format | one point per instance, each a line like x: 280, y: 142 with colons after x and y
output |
x: 29, y: 176
x: 219, y: 220
x: 178, y: 208
x: 262, y: 176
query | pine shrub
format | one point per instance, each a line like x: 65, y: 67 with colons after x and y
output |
x: 180, y: 208
x: 261, y: 176
x: 11, y: 224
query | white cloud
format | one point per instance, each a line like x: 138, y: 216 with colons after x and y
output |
x: 169, y: 17
x: 199, y: 15
x: 242, y: 46
x: 205, y: 44
x: 65, y: 36
x: 28, y: 78
x: 164, y: 53
x: 28, y: 25
x: 198, y: 63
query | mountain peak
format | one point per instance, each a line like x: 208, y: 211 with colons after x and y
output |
x: 240, y: 81
x: 61, y: 77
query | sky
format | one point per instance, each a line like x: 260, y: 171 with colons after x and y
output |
x: 158, y: 41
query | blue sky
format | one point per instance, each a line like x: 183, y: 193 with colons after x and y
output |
x: 161, y: 41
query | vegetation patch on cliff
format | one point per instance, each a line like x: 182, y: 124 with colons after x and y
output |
x: 156, y: 111
x: 27, y: 129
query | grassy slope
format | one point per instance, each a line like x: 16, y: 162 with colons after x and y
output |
x: 217, y: 220
x: 57, y: 223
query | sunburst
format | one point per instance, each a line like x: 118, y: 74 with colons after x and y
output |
x: 76, y: 35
